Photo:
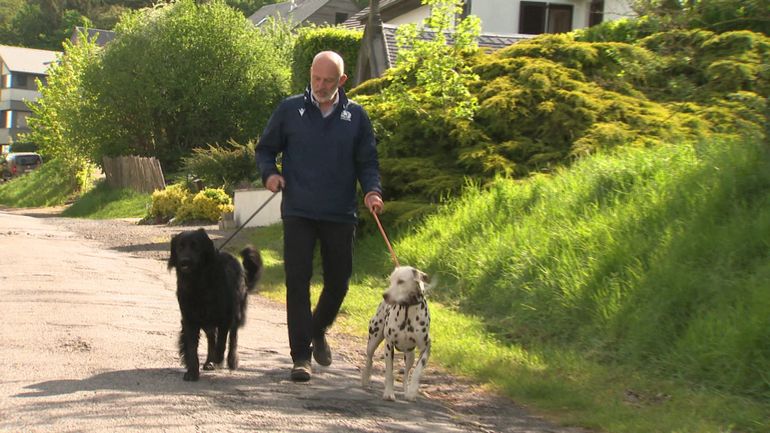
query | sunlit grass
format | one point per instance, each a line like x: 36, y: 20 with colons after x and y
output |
x: 49, y: 185
x: 570, y: 248
x: 103, y: 202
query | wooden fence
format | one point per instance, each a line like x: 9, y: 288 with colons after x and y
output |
x: 135, y: 172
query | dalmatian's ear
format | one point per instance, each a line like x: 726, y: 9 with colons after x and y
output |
x: 421, y: 276
x: 386, y: 297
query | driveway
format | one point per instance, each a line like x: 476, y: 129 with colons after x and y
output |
x: 89, y: 345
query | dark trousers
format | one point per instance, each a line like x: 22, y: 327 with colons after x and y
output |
x: 299, y: 241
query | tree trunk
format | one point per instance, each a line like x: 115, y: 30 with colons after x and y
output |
x: 371, y: 56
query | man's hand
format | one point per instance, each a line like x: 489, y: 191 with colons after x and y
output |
x: 373, y: 202
x: 275, y: 183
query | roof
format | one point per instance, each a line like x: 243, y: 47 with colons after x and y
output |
x: 357, y: 19
x: 29, y: 60
x: 487, y: 41
x: 102, y: 36
x: 295, y: 11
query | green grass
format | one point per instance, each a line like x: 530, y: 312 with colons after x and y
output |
x: 47, y: 186
x: 627, y: 294
x: 103, y: 202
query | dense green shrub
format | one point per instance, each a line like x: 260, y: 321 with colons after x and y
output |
x: 546, y: 101
x: 222, y: 166
x: 312, y: 40
x: 181, y: 76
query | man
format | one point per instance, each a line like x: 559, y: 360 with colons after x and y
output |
x: 327, y: 145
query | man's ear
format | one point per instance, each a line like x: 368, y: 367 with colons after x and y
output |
x: 343, y: 79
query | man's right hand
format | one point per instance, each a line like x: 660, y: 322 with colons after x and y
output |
x: 275, y: 183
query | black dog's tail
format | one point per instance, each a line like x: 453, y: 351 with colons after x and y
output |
x: 252, y: 263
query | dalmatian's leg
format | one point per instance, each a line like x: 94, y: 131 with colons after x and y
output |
x: 414, y: 379
x: 374, y: 341
x: 389, y: 352
x: 408, y: 364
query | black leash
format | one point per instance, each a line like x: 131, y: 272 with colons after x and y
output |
x: 247, y: 221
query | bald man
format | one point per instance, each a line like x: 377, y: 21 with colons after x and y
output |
x: 327, y: 146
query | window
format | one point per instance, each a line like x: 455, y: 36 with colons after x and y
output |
x: 536, y: 18
x: 596, y: 12
x: 5, y: 119
x: 19, y: 81
x: 340, y: 17
x: 20, y: 119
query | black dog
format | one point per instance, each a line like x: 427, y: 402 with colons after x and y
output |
x: 212, y: 289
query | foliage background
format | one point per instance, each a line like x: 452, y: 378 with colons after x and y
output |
x: 312, y: 40
x: 176, y: 78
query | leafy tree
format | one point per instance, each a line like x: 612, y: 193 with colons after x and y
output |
x: 179, y: 77
x: 59, y: 125
x: 715, y: 15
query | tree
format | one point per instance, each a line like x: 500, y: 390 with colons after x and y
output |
x: 59, y: 124
x: 715, y: 15
x: 179, y: 77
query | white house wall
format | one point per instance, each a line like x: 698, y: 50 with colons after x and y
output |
x: 502, y: 16
x: 19, y: 95
x: 413, y: 16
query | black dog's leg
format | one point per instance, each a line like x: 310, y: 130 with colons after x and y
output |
x: 189, y: 340
x: 221, y: 342
x: 211, y: 354
x: 232, y: 354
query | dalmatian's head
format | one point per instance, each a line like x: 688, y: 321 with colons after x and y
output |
x: 407, y: 286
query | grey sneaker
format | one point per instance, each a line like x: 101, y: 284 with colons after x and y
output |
x: 321, y: 351
x: 301, y: 371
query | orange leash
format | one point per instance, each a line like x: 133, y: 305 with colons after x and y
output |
x: 387, y: 242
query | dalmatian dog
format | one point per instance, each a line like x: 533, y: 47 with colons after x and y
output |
x: 403, y: 321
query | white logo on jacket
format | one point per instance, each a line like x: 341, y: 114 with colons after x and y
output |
x: 301, y: 112
x: 345, y: 115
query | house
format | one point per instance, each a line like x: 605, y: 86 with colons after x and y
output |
x: 20, y: 68
x: 509, y: 17
x: 304, y: 12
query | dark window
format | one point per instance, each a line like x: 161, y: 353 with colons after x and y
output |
x: 596, y: 13
x: 559, y: 19
x: 4, y: 119
x: 3, y: 81
x: 340, y: 17
x: 536, y: 18
x: 19, y: 81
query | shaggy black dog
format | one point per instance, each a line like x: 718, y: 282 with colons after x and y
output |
x: 212, y: 289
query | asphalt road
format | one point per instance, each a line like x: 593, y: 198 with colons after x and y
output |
x: 88, y: 344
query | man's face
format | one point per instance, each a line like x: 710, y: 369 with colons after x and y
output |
x: 324, y: 80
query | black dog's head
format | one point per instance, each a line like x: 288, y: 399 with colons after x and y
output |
x: 190, y: 250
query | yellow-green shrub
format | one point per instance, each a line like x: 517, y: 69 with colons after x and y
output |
x: 166, y: 202
x: 206, y: 205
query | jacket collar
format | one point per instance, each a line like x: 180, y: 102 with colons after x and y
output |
x: 343, y: 99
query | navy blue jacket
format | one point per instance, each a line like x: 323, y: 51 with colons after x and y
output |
x: 321, y: 158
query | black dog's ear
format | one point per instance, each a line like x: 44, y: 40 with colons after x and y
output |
x: 209, y: 251
x: 172, y: 257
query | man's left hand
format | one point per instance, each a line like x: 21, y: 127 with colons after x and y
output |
x: 373, y: 202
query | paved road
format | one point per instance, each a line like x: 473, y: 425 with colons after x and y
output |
x: 88, y: 344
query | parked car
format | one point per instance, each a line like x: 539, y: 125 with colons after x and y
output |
x: 16, y: 164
